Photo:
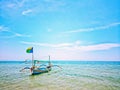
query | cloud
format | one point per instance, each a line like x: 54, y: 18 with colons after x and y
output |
x: 48, y: 45
x: 94, y: 28
x: 1, y: 28
x: 76, y: 46
x: 15, y: 3
x: 54, y: 5
x: 27, y: 12
x: 15, y: 35
x: 11, y: 5
x: 104, y: 46
x: 16, y: 6
x: 23, y: 7
x: 49, y: 30
x: 94, y: 47
x: 6, y: 33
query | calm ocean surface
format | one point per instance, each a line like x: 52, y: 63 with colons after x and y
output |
x: 74, y: 75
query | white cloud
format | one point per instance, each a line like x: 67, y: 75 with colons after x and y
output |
x: 11, y: 5
x: 94, y: 28
x: 23, y: 7
x: 27, y: 12
x: 1, y: 27
x: 12, y: 34
x: 15, y: 35
x: 16, y: 3
x: 78, y: 42
x: 49, y: 30
x: 76, y: 46
x: 104, y: 46
x: 21, y: 35
x: 48, y: 45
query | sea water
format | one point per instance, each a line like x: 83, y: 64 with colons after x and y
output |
x: 73, y: 75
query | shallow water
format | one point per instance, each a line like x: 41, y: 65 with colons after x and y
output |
x: 74, y: 75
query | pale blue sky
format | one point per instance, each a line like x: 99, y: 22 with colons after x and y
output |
x: 64, y: 29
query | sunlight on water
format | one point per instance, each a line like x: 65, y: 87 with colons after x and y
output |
x: 79, y: 76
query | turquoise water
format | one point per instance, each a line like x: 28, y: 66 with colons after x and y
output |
x: 74, y: 75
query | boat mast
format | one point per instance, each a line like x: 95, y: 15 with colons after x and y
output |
x: 32, y: 60
x: 49, y: 61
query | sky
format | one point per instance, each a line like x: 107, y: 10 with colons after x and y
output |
x: 63, y: 29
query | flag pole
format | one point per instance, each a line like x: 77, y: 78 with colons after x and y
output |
x: 32, y: 59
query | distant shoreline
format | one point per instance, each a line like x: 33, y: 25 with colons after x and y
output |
x: 70, y: 60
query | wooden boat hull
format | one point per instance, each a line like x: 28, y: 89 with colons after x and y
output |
x: 40, y: 71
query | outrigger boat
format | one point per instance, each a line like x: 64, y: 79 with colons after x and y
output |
x: 42, y: 68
